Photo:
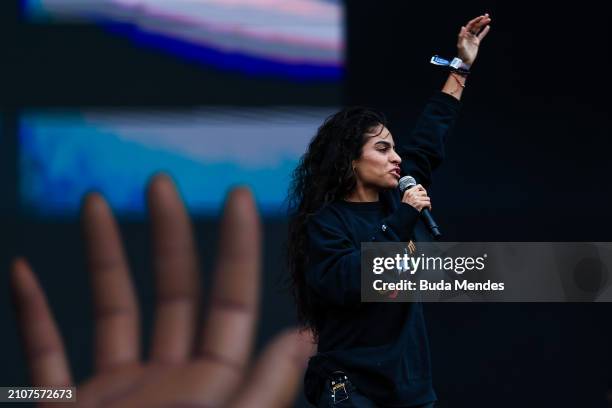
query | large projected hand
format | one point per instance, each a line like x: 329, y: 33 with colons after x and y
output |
x: 186, y: 367
x: 470, y: 37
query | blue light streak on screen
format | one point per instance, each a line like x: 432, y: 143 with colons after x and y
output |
x: 294, y: 39
x: 63, y: 155
x: 230, y: 60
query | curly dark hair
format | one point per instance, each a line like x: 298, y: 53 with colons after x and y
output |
x: 323, y: 175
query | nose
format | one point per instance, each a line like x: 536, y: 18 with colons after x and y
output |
x: 395, y: 158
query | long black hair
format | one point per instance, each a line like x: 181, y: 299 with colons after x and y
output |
x: 323, y: 175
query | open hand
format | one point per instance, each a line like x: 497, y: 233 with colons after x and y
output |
x: 470, y: 37
x: 187, y: 367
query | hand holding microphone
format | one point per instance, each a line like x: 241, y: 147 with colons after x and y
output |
x: 415, y: 195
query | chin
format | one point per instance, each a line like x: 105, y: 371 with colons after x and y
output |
x: 386, y: 183
x: 393, y: 184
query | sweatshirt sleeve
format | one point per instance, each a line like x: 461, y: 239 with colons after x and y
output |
x: 423, y: 150
x: 333, y: 269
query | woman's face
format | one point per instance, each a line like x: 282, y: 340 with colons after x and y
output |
x: 378, y: 165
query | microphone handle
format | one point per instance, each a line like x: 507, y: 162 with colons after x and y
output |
x: 431, y: 224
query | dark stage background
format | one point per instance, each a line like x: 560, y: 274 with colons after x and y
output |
x: 528, y: 161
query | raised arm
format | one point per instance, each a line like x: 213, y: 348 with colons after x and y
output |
x: 423, y: 150
x: 468, y: 42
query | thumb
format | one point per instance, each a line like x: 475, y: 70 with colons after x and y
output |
x: 276, y: 377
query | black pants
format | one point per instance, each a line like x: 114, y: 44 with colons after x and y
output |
x: 339, y: 392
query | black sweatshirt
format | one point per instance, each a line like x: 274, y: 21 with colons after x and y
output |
x: 382, y: 347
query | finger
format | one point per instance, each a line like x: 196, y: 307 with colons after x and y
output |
x: 415, y: 189
x: 472, y: 23
x: 116, y: 311
x: 176, y: 273
x: 277, y: 375
x: 484, y: 32
x: 228, y: 331
x: 476, y: 27
x: 42, y: 341
x: 481, y: 23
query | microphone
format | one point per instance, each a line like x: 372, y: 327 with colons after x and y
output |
x: 407, y: 182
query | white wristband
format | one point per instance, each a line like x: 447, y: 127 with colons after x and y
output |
x: 457, y: 63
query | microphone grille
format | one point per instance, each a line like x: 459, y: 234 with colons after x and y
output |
x: 406, y: 182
